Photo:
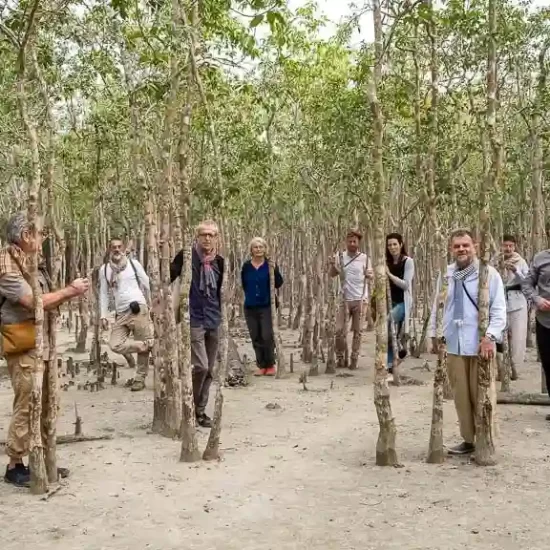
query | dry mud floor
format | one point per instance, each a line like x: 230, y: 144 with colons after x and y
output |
x: 302, y: 476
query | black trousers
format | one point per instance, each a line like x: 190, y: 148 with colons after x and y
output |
x: 260, y: 327
x: 543, y: 344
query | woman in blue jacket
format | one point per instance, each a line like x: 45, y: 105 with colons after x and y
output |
x: 257, y: 305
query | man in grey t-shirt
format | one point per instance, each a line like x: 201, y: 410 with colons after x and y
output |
x: 536, y: 287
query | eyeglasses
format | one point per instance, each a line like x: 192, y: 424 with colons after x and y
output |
x: 210, y: 235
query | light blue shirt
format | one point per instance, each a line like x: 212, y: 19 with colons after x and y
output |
x: 463, y: 338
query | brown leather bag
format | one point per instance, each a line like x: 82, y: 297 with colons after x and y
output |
x: 18, y: 337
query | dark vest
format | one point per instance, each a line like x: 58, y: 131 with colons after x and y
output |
x: 397, y: 294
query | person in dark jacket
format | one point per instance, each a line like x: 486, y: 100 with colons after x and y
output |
x: 257, y: 305
x: 204, y: 311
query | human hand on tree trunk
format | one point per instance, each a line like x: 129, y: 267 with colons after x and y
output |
x: 80, y: 286
x: 542, y: 304
x: 487, y: 348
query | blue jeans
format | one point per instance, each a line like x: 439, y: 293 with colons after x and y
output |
x: 398, y: 316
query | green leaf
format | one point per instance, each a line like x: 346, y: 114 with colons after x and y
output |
x: 256, y: 20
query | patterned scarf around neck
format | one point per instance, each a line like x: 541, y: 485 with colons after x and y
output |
x: 116, y: 269
x: 207, y: 282
x: 459, y: 276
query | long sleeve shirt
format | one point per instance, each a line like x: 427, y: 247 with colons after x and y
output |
x: 255, y: 281
x: 536, y: 285
x: 512, y: 286
x: 463, y: 338
x: 125, y: 291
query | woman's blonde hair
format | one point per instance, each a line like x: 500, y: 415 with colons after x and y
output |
x: 255, y: 241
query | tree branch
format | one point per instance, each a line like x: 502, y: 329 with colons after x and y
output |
x: 8, y: 33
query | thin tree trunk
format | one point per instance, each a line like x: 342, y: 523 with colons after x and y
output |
x: 189, y: 445
x: 57, y: 245
x: 281, y: 359
x: 39, y: 478
x: 331, y: 330
x: 436, y: 453
x: 386, y: 454
x: 212, y: 450
x: 538, y: 230
x: 485, y: 448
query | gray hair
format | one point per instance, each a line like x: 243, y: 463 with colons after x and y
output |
x: 257, y: 241
x: 208, y: 224
x: 17, y: 224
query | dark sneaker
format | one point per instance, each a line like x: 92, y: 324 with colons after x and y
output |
x: 548, y: 417
x: 137, y: 385
x: 204, y: 421
x: 462, y: 449
x: 18, y: 476
x: 22, y: 467
x: 390, y: 370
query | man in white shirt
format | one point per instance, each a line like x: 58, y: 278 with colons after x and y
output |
x: 357, y: 269
x: 461, y: 331
x: 129, y: 284
x: 516, y: 269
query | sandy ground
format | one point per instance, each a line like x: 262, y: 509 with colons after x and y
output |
x: 302, y: 476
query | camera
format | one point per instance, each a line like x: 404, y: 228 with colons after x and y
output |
x: 134, y: 308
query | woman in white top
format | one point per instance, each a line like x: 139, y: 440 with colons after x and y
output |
x: 400, y: 271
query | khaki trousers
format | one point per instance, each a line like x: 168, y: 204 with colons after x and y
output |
x: 21, y: 369
x: 140, y: 327
x: 518, y: 322
x: 351, y: 309
x: 463, y: 378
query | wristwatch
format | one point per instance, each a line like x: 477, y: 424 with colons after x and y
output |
x: 491, y: 337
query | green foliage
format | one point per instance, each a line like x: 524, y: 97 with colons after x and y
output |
x: 284, y: 102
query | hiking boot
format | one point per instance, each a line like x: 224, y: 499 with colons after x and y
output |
x: 18, y: 476
x: 270, y: 371
x: 514, y: 374
x: 462, y: 449
x: 353, y: 363
x: 204, y: 421
x: 260, y: 372
x: 138, y: 385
